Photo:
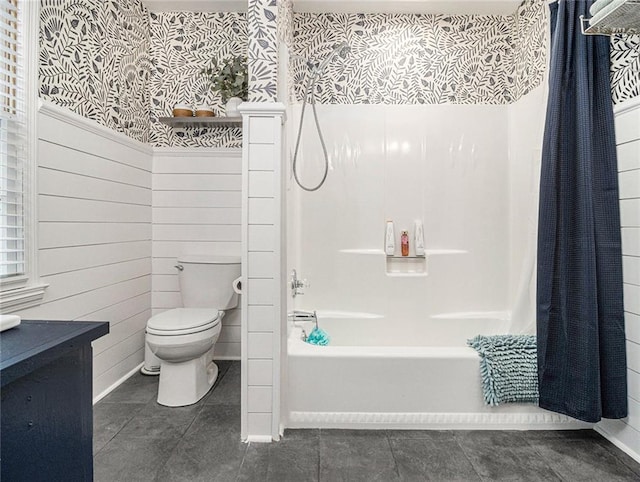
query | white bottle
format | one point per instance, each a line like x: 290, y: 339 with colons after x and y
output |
x: 419, y: 241
x: 389, y: 240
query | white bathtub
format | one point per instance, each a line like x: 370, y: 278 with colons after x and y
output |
x: 369, y: 378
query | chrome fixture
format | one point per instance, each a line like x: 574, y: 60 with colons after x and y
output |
x: 300, y: 316
x: 297, y: 285
x: 317, y: 69
x: 179, y: 267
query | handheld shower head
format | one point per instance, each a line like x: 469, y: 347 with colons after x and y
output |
x: 341, y: 50
x: 317, y: 69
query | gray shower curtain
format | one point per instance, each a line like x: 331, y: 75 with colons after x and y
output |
x: 581, y: 338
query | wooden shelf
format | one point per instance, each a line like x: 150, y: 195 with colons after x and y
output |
x: 201, y: 122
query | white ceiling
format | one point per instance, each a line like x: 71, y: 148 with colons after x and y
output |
x: 196, y: 5
x: 452, y: 7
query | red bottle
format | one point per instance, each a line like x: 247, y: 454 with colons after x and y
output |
x: 404, y: 243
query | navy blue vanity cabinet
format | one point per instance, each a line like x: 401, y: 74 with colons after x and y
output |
x: 46, y: 408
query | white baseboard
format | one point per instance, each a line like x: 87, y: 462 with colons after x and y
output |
x: 260, y: 439
x: 618, y: 443
x: 439, y: 421
x: 115, y: 385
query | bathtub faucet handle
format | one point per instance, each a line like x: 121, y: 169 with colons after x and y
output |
x: 298, y: 285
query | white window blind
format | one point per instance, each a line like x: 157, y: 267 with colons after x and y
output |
x: 12, y: 145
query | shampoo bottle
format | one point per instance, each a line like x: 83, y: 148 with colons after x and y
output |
x: 404, y: 242
x: 419, y: 238
x: 389, y: 240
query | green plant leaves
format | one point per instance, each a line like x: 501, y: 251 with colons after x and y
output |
x: 229, y: 77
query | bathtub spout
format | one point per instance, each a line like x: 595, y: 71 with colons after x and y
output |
x: 298, y: 316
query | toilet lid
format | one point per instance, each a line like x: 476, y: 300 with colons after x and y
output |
x: 184, y: 319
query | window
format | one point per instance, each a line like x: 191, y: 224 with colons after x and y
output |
x: 18, y: 34
x: 12, y: 147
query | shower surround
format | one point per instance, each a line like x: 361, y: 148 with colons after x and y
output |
x: 432, y: 118
x: 469, y: 172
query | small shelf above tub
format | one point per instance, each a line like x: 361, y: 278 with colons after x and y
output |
x: 415, y: 256
x: 379, y: 252
x: 201, y: 122
x: 406, y: 266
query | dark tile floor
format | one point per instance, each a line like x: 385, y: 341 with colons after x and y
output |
x: 135, y: 439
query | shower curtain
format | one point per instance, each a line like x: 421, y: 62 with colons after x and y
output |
x: 581, y: 338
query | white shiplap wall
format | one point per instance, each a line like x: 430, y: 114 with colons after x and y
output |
x: 626, y: 433
x: 264, y: 264
x: 196, y: 210
x: 94, y: 235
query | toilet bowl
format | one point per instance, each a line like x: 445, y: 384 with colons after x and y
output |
x: 180, y: 342
x: 183, y: 339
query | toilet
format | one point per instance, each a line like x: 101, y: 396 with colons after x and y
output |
x: 180, y: 342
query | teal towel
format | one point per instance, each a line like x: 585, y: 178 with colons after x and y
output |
x: 509, y: 368
x: 318, y: 337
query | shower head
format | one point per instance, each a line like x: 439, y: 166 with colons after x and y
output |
x: 341, y: 50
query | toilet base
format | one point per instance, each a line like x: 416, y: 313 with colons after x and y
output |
x: 185, y: 383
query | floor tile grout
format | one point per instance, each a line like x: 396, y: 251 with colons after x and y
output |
x: 541, y: 456
x: 395, y: 462
x: 133, y: 415
x: 244, y: 456
x: 466, y: 456
x: 179, y: 440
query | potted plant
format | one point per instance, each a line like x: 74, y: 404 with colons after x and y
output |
x: 229, y: 77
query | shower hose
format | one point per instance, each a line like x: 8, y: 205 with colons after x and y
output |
x: 310, y: 94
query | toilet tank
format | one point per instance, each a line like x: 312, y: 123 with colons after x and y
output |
x: 207, y: 281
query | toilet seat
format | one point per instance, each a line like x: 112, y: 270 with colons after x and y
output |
x: 184, y: 321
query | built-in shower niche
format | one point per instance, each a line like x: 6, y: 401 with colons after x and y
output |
x: 415, y: 265
x: 406, y: 265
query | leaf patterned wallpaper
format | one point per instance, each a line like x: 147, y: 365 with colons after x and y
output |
x: 182, y: 43
x: 625, y: 67
x: 285, y: 47
x: 424, y: 59
x: 94, y: 60
x: 529, y: 61
x: 262, y: 20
